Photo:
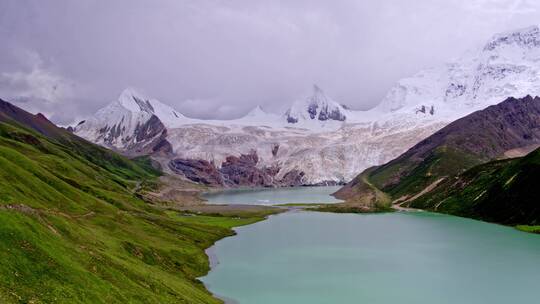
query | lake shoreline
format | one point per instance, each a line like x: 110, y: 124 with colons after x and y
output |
x: 424, y: 243
x: 213, y: 260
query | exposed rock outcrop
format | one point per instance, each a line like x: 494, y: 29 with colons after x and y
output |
x: 198, y: 170
x: 293, y: 178
x: 236, y: 171
x: 275, y: 150
x: 317, y: 107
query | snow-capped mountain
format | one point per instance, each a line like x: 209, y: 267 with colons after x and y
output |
x: 133, y: 123
x: 323, y: 150
x: 317, y: 107
x: 507, y: 65
x: 319, y: 137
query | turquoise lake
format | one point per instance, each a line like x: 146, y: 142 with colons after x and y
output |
x: 306, y: 257
x: 274, y: 196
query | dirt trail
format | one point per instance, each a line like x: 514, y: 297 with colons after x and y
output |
x: 402, y: 200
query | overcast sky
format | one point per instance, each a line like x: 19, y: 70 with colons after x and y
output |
x: 220, y: 58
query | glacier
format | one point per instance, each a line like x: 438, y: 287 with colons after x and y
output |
x: 327, y: 141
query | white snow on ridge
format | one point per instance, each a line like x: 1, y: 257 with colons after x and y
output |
x: 507, y: 66
x: 324, y: 139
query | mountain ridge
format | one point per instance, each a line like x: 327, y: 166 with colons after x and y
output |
x: 472, y: 140
x: 336, y: 142
x: 503, y: 191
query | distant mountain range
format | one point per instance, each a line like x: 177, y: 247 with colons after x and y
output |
x: 318, y: 137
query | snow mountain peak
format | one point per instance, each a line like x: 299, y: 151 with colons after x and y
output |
x: 525, y: 37
x: 134, y: 101
x: 317, y: 89
x: 507, y: 66
x: 319, y: 137
x: 257, y: 111
x: 318, y: 106
x: 132, y: 122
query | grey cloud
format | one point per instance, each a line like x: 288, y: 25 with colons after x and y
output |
x: 230, y: 56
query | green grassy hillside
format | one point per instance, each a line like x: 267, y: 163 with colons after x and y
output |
x: 505, y: 192
x: 72, y: 229
x: 441, y: 162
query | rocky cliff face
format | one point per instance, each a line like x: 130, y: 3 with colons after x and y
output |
x: 236, y: 171
x: 198, y: 170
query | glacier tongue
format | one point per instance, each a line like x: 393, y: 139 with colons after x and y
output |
x: 319, y: 136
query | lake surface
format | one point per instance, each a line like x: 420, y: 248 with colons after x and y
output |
x: 274, y: 196
x: 417, y: 257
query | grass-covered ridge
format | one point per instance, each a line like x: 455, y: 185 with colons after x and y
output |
x: 503, y: 191
x: 72, y: 230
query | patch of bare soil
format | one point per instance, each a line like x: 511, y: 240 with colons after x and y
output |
x: 520, y: 152
x: 398, y: 203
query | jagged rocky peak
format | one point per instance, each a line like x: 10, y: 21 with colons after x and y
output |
x: 316, y: 107
x: 525, y: 37
x: 133, y: 124
x: 135, y: 101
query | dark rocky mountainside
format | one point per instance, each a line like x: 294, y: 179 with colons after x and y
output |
x: 241, y: 171
x: 149, y: 138
x: 475, y: 139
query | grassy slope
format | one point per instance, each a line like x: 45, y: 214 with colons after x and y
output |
x: 371, y: 198
x: 502, y: 191
x: 72, y: 231
x: 443, y: 161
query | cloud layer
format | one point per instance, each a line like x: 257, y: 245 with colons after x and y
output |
x: 218, y: 58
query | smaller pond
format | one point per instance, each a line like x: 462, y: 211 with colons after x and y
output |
x: 274, y: 196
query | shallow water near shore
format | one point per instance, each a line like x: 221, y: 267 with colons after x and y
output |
x: 404, y: 257
x: 274, y: 196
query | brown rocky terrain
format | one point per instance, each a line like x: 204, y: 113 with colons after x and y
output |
x: 235, y: 171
